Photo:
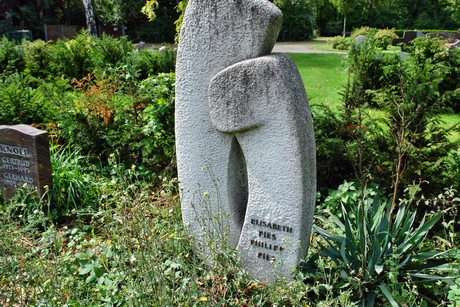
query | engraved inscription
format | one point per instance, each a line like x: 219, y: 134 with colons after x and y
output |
x: 268, y: 238
x: 15, y: 170
x: 14, y: 150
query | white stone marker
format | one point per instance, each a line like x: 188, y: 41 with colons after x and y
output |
x: 244, y: 137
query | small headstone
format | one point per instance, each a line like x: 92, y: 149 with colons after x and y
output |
x: 244, y: 137
x: 140, y: 46
x: 24, y: 159
x: 360, y: 40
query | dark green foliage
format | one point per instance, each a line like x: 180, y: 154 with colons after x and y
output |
x: 109, y: 51
x: 366, y: 66
x: 160, y: 30
x: 99, y: 95
x: 148, y: 63
x: 384, y: 37
x: 39, y: 59
x: 137, y: 128
x: 73, y: 58
x: 11, y: 57
x: 21, y: 102
x: 405, y: 143
x: 422, y: 14
x: 298, y: 20
x: 332, y: 136
x: 419, y: 144
x: 445, y: 65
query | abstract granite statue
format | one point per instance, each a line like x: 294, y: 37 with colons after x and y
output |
x: 244, y: 137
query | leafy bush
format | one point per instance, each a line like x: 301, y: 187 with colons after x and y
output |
x: 21, y: 103
x: 366, y: 68
x: 384, y: 37
x: 138, y: 128
x: 366, y: 31
x: 419, y: 143
x: 39, y: 58
x: 380, y: 38
x: 74, y: 58
x: 407, y: 144
x: 332, y: 139
x: 340, y: 42
x: 433, y: 51
x: 109, y: 51
x: 150, y: 63
x: 11, y: 57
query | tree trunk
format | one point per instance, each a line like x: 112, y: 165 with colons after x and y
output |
x: 344, y: 25
x: 90, y: 20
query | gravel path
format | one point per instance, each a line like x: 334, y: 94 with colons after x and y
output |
x: 301, y: 47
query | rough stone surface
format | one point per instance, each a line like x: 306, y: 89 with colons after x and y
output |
x: 262, y: 102
x: 24, y: 159
x: 215, y: 35
x: 244, y: 137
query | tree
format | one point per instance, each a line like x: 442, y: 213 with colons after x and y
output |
x: 90, y: 19
x: 343, y: 7
x: 150, y: 10
x: 298, y: 20
x: 454, y: 9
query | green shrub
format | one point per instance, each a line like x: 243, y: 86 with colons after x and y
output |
x: 366, y: 31
x: 384, y: 37
x: 332, y: 28
x: 74, y: 58
x: 380, y: 38
x: 149, y: 63
x: 21, y: 103
x: 138, y: 128
x: 11, y: 57
x: 340, y: 42
x: 331, y: 137
x: 418, y: 142
x: 367, y: 69
x: 39, y: 59
x: 407, y: 144
x: 109, y: 51
x: 433, y: 51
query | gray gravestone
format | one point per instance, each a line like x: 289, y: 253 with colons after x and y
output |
x: 244, y: 137
x: 360, y: 40
x: 24, y: 159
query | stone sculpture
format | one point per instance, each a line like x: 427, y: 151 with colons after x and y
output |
x: 244, y: 137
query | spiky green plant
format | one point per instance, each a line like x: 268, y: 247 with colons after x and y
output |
x: 377, y: 252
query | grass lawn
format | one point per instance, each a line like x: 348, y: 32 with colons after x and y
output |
x: 324, y: 76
